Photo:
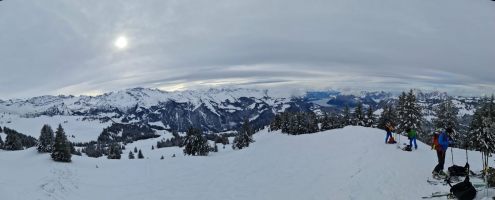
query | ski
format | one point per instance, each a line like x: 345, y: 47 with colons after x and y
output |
x: 437, y: 195
x: 433, y: 181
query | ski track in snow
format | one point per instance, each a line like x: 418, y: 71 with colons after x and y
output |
x: 349, y: 163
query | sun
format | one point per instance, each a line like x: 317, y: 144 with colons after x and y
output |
x: 121, y: 42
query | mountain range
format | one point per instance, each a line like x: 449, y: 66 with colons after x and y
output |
x: 214, y: 110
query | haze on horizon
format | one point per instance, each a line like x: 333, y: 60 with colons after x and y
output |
x: 90, y: 47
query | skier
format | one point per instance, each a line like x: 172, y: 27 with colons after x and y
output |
x: 441, y: 148
x: 411, y: 134
x: 389, y: 128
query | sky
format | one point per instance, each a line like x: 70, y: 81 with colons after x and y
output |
x: 68, y: 46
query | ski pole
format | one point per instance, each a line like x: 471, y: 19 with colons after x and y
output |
x: 452, y: 155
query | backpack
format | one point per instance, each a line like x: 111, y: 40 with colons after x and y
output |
x: 456, y: 170
x: 407, y: 148
x: 435, y: 144
x: 464, y: 190
x: 391, y: 140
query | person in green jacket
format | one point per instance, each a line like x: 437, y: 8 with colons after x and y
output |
x: 411, y: 134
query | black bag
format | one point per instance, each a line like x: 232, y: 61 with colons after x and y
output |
x: 456, y: 170
x: 407, y: 148
x: 464, y: 190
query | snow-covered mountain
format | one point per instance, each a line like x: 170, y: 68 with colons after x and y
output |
x: 214, y: 110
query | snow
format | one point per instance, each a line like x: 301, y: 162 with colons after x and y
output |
x: 378, y: 112
x: 349, y: 163
x: 83, y: 130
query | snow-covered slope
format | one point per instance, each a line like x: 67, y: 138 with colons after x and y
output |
x: 349, y: 163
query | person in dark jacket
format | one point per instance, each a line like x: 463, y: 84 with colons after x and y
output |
x: 441, y: 148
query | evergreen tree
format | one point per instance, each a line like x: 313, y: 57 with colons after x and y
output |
x: 18, y: 141
x: 135, y: 150
x: 1, y: 143
x: 388, y: 116
x: 73, y: 150
x: 326, y: 124
x: 161, y: 158
x: 244, y: 137
x: 311, y: 121
x: 409, y: 113
x: 346, y: 118
x: 370, y: 118
x: 13, y: 142
x: 446, y: 116
x: 61, y: 148
x: 46, y: 140
x: 276, y: 123
x: 482, y: 131
x: 195, y: 144
x: 358, y: 118
x: 114, y: 151
x: 140, y: 154
x: 152, y: 147
x: 94, y: 150
x: 131, y: 155
x: 401, y: 113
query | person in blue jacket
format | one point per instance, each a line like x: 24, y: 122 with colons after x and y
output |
x: 441, y: 147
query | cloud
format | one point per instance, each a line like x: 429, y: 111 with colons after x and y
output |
x: 58, y: 46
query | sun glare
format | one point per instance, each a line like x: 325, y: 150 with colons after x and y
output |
x: 121, y: 42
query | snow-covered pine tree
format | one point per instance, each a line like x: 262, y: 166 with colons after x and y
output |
x: 409, y: 113
x: 401, y: 113
x: 296, y: 124
x: 388, y: 116
x: 131, y: 155
x: 326, y: 124
x: 140, y: 154
x: 482, y: 130
x: 370, y: 117
x: 1, y: 143
x: 359, y: 118
x: 46, y: 141
x: 73, y: 150
x: 244, y: 137
x: 446, y: 116
x: 195, y: 144
x: 13, y: 142
x: 346, y: 116
x: 61, y: 147
x: 276, y: 123
x: 135, y: 150
x: 114, y: 151
x: 311, y: 122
